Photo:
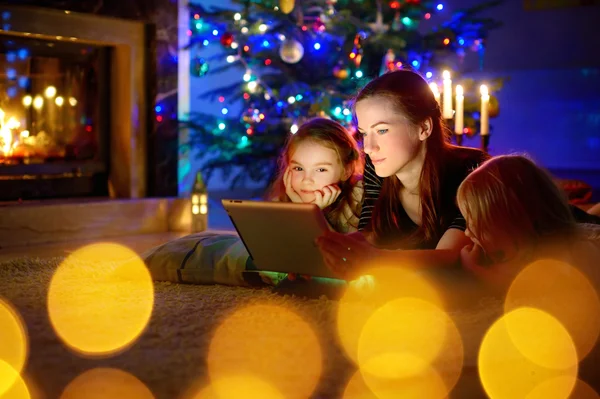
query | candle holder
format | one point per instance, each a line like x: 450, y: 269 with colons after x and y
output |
x: 485, y: 142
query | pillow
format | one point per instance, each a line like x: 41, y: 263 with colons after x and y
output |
x: 201, y: 258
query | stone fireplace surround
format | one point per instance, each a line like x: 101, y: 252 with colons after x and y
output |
x: 130, y: 209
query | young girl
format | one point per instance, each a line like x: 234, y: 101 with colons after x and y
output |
x: 319, y: 164
x: 515, y: 214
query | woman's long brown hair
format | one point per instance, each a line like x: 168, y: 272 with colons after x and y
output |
x: 332, y: 135
x: 410, y: 95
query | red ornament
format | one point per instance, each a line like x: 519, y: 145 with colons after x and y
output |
x: 318, y: 25
x: 394, y: 5
x: 227, y: 39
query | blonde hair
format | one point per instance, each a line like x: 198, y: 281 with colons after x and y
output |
x: 510, y: 193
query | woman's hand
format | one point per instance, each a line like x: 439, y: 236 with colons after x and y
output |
x: 346, y: 254
x: 291, y: 193
x: 327, y: 196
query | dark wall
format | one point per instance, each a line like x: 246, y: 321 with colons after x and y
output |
x: 550, y: 104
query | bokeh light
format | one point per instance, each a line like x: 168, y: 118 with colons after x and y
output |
x: 106, y: 383
x: 12, y: 385
x: 384, y: 285
x: 564, y: 292
x: 13, y: 345
x: 427, y: 385
x: 527, y: 353
x: 412, y: 345
x: 100, y: 299
x: 583, y: 391
x: 240, y: 386
x: 271, y: 344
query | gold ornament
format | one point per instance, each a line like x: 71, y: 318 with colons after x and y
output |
x: 341, y: 72
x: 286, y: 6
x: 291, y: 51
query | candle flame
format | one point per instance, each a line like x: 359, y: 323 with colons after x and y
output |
x: 59, y: 101
x: 5, y: 134
x: 13, y: 123
x: 434, y: 88
x: 27, y: 100
x: 446, y: 74
x: 483, y: 89
x: 50, y: 92
x: 38, y: 102
x: 459, y: 90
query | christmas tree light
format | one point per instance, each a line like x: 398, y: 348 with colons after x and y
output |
x: 306, y: 58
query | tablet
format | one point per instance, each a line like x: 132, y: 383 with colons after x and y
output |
x: 280, y: 236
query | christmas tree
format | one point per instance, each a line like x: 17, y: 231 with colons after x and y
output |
x: 306, y: 58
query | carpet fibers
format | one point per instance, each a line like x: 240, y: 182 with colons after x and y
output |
x: 171, y: 356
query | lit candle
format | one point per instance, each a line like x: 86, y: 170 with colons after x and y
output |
x: 59, y: 101
x: 459, y: 123
x: 447, y: 96
x: 38, y: 103
x: 436, y: 91
x: 50, y: 93
x: 484, y: 116
x: 27, y: 101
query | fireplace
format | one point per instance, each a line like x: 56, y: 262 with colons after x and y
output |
x: 74, y: 105
x: 54, y: 99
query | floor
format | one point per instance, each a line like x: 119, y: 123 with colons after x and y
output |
x: 138, y: 243
x: 218, y: 220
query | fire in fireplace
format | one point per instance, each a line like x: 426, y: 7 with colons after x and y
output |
x: 53, y: 118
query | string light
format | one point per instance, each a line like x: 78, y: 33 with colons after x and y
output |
x: 256, y: 89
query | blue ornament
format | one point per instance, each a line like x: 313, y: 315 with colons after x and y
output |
x: 23, y: 82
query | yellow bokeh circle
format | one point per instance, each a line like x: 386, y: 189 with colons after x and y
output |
x: 386, y: 284
x: 106, y: 383
x: 100, y: 299
x: 239, y: 386
x: 270, y: 344
x: 13, y: 345
x: 564, y: 292
x: 525, y: 352
x: 408, y: 340
x: 12, y: 385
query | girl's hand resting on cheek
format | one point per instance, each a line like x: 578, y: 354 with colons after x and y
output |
x: 475, y: 260
x: 326, y: 196
x: 346, y: 254
x: 291, y: 193
x: 472, y: 258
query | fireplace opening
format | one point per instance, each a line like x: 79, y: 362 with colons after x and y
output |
x: 54, y: 118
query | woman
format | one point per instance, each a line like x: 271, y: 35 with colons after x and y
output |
x: 412, y: 174
x: 411, y: 177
